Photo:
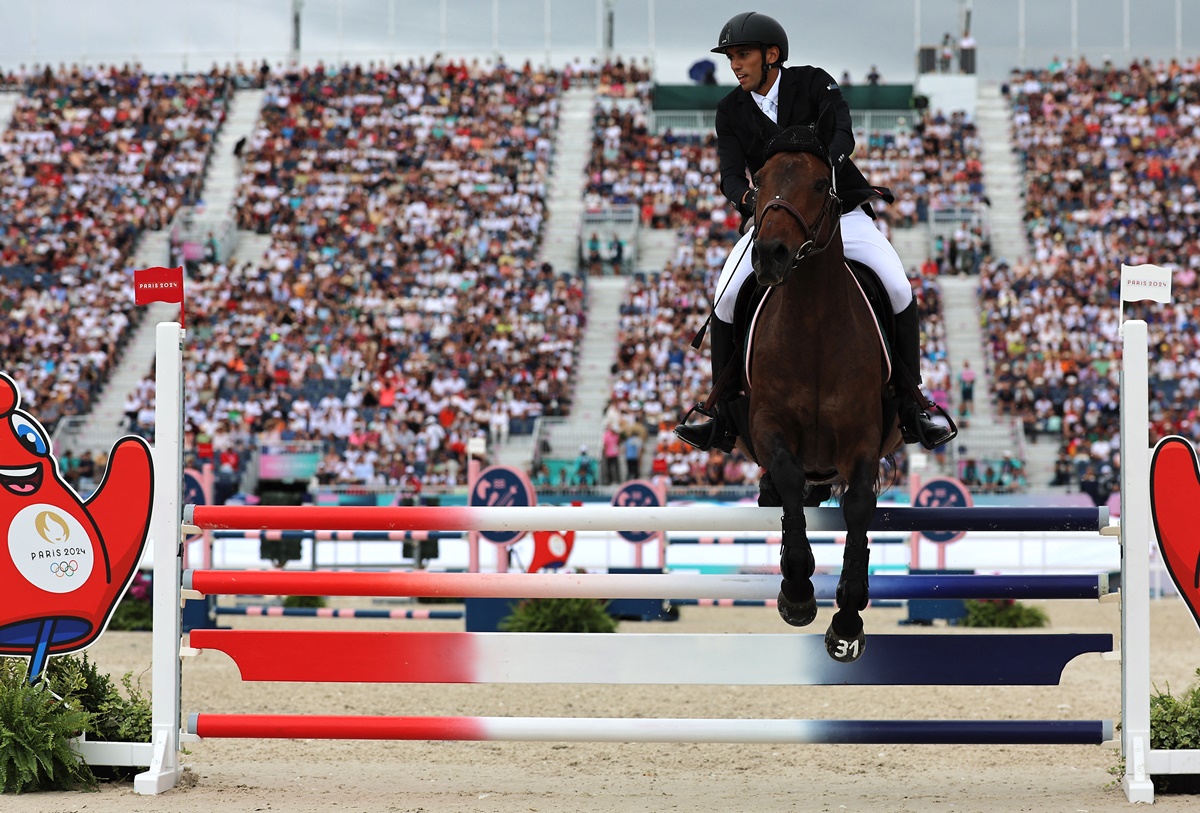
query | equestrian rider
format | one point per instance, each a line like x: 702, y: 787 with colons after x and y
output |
x: 757, y: 47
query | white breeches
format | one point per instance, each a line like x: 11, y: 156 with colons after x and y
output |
x: 861, y: 241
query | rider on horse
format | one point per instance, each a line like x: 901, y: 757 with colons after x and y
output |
x: 757, y: 47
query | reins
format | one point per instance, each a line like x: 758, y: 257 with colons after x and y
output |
x: 809, y: 248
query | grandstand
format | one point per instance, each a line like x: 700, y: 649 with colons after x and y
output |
x: 387, y: 260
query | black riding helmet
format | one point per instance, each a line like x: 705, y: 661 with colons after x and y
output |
x: 752, y: 28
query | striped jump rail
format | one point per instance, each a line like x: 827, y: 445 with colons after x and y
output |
x: 613, y: 586
x: 339, y: 536
x: 775, y: 540
x: 647, y: 659
x: 266, y: 611
x: 621, y: 518
x: 616, y: 729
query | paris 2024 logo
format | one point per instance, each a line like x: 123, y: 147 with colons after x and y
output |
x: 64, y: 561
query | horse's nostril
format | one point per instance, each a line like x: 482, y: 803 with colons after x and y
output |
x: 780, y: 254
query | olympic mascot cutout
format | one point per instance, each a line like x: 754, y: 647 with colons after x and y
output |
x: 65, y: 562
x: 1174, y: 490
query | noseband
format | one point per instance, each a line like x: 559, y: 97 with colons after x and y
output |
x: 809, y: 248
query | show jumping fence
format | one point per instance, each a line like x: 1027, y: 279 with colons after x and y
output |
x: 679, y: 658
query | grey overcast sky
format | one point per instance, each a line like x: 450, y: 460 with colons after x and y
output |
x: 840, y: 35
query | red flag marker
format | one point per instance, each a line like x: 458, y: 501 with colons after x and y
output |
x: 159, y: 285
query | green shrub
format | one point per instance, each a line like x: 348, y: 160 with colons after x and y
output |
x: 304, y: 601
x: 38, y: 722
x: 1003, y: 612
x: 36, y: 729
x: 116, y: 716
x: 560, y: 615
x: 1174, y: 725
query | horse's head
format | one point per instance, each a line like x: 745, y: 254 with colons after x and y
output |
x: 797, y: 212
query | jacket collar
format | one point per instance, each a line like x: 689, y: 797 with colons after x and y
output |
x: 786, y: 81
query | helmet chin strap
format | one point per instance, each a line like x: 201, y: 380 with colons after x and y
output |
x: 766, y: 70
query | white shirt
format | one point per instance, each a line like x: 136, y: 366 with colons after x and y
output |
x: 769, y: 104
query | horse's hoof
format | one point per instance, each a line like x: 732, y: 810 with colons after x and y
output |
x: 796, y: 613
x: 844, y: 649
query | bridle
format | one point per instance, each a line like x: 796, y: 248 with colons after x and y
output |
x: 809, y: 248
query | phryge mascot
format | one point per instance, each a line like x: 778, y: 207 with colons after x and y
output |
x: 64, y: 562
x: 1174, y: 488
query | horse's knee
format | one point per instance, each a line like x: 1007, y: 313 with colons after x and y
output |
x: 768, y: 494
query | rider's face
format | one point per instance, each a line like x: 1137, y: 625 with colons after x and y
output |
x: 746, y: 62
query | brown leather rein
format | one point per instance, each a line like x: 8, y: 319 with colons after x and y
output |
x: 809, y: 248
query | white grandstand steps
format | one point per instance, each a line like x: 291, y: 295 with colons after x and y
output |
x: 106, y: 422
x: 559, y: 244
x: 655, y: 248
x: 8, y: 106
x: 912, y: 244
x: 251, y: 246
x: 1002, y: 174
x: 593, y: 373
x: 564, y: 188
x: 224, y: 169
x: 983, y: 435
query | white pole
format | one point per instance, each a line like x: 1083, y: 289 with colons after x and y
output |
x: 1021, y: 33
x: 391, y: 30
x: 917, y: 29
x: 496, y: 29
x: 187, y: 34
x: 650, y: 33
x: 1074, y: 29
x: 1135, y: 550
x: 444, y: 29
x: 547, y: 29
x: 167, y: 545
x: 341, y: 7
x: 1126, y: 28
x: 1179, y: 29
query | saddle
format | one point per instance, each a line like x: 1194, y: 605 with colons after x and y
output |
x: 749, y: 299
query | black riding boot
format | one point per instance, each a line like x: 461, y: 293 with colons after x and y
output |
x: 915, y: 422
x: 721, y: 431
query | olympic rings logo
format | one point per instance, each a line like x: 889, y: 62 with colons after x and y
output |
x: 61, y: 569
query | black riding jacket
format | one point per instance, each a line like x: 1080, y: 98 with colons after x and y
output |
x: 804, y: 92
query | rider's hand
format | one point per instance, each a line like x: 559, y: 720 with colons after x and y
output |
x: 749, y: 201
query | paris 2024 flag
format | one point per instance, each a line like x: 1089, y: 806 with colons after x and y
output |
x: 1145, y: 282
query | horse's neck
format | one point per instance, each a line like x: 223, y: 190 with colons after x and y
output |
x: 821, y: 278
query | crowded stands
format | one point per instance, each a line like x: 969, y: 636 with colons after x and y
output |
x: 398, y: 311
x: 90, y: 159
x: 1109, y: 156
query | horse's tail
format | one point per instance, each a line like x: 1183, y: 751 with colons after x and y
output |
x: 888, y: 476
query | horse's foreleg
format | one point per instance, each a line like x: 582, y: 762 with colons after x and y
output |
x: 844, y: 640
x: 797, y: 604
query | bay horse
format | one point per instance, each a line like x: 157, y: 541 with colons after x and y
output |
x: 820, y: 410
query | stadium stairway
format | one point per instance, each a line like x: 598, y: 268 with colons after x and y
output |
x: 100, y: 428
x: 564, y: 190
x: 656, y: 247
x: 8, y: 106
x: 1005, y: 181
x: 593, y: 373
x: 1002, y: 174
x: 560, y: 248
x: 224, y: 169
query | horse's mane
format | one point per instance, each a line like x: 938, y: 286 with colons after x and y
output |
x: 797, y: 139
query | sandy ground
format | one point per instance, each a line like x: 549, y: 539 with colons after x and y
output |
x: 501, y: 777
